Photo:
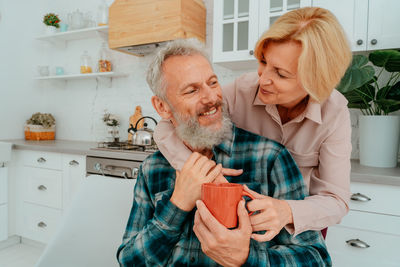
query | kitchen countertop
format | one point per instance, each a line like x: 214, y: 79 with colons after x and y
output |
x: 75, y: 147
x: 359, y: 173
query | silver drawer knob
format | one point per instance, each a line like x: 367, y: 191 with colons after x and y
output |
x: 41, y: 160
x: 357, y: 243
x: 251, y: 52
x: 42, y: 225
x: 73, y: 163
x: 359, y: 197
x: 42, y: 187
x: 359, y: 42
x: 374, y: 41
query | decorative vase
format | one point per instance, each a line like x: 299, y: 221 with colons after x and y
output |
x: 379, y: 140
x: 49, y: 30
x: 38, y: 132
x: 114, y: 133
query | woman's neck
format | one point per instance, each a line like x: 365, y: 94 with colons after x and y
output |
x: 288, y: 114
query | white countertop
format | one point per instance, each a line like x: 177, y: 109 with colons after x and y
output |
x: 359, y: 173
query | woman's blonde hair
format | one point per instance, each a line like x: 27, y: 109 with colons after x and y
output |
x: 325, y: 52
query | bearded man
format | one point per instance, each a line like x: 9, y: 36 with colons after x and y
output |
x: 169, y: 225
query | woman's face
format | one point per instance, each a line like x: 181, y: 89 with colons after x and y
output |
x: 279, y: 82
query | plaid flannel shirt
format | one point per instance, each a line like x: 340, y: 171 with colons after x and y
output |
x: 160, y: 234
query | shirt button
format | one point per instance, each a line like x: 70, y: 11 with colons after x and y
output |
x: 192, y: 259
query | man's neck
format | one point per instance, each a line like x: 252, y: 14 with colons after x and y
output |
x: 205, y: 152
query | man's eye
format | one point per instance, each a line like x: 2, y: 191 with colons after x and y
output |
x: 213, y: 83
x: 191, y: 91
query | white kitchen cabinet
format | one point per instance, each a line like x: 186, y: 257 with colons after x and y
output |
x: 5, y: 156
x: 369, y: 235
x: 369, y: 24
x: 238, y: 24
x: 45, y: 184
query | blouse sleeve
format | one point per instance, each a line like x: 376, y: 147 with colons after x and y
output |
x: 329, y: 183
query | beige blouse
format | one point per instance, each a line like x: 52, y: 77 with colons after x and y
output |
x: 319, y: 140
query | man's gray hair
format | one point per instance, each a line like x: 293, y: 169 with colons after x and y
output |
x: 180, y: 47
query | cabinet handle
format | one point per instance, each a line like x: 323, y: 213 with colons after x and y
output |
x: 251, y: 52
x: 359, y: 42
x: 374, y: 41
x: 73, y: 163
x: 41, y: 160
x: 360, y: 197
x: 42, y: 188
x: 41, y: 225
x: 357, y: 243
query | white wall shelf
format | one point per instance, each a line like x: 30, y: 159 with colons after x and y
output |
x: 63, y: 37
x: 83, y: 76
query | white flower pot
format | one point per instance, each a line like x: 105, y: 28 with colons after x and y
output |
x: 49, y: 30
x: 379, y: 140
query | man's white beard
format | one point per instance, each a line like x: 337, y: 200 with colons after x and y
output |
x: 202, y: 137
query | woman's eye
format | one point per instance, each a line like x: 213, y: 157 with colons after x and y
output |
x: 262, y: 61
x: 280, y: 75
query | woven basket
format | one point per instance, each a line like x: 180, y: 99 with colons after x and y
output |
x: 38, y: 132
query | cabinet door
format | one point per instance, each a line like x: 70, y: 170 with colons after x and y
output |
x: 235, y: 30
x: 353, y: 16
x: 383, y: 24
x: 271, y: 10
x: 74, y: 171
x: 3, y: 185
x: 346, y: 247
x: 3, y: 222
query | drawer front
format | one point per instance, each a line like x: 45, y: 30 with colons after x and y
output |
x: 43, y: 187
x: 372, y: 222
x: 383, y: 249
x: 40, y: 223
x: 3, y: 222
x: 42, y: 159
x: 382, y: 198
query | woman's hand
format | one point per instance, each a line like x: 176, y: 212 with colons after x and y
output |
x: 273, y: 215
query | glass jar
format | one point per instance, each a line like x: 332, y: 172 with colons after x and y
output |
x: 104, y: 60
x: 102, y: 14
x: 86, y: 63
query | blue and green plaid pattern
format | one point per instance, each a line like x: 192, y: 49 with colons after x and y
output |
x: 160, y: 234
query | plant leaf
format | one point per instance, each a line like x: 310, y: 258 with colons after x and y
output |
x: 356, y: 75
x: 388, y: 105
x: 388, y: 59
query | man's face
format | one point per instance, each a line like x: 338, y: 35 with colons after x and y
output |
x: 193, y: 91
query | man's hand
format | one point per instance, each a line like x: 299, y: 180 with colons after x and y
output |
x: 226, y: 247
x: 274, y: 215
x: 197, y: 170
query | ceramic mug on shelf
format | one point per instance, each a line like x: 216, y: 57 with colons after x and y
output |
x: 222, y: 201
x: 59, y: 71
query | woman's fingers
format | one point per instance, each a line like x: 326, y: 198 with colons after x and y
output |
x: 254, y: 193
x: 231, y: 172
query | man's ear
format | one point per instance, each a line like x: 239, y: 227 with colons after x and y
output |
x: 161, y: 107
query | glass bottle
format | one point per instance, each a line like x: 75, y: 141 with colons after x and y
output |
x: 104, y: 61
x: 102, y: 14
x: 86, y: 63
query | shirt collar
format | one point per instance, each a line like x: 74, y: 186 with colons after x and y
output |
x: 227, y: 144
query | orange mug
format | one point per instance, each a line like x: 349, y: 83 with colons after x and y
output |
x: 222, y: 201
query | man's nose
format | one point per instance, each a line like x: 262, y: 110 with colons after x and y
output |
x: 210, y: 95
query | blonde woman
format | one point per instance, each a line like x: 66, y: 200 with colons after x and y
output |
x: 291, y: 99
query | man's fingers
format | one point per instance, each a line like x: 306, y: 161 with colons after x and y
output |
x: 254, y: 193
x: 244, y: 220
x: 213, y: 174
x: 231, y: 172
x: 208, y: 219
x: 265, y: 237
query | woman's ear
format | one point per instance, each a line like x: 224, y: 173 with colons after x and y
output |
x: 161, y: 107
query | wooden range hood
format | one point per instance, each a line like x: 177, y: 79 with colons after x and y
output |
x: 138, y: 26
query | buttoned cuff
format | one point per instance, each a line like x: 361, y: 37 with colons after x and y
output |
x: 171, y: 217
x: 295, y: 228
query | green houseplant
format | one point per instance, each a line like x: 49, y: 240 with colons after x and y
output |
x: 40, y: 126
x: 51, y: 22
x: 376, y: 97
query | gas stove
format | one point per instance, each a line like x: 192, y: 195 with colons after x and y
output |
x: 124, y: 146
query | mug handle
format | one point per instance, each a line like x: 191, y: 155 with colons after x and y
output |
x: 247, y: 194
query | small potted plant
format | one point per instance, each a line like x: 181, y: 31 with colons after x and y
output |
x: 52, y: 23
x: 372, y: 85
x: 41, y: 126
x: 112, y: 122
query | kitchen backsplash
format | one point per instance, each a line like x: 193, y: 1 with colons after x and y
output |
x: 77, y: 105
